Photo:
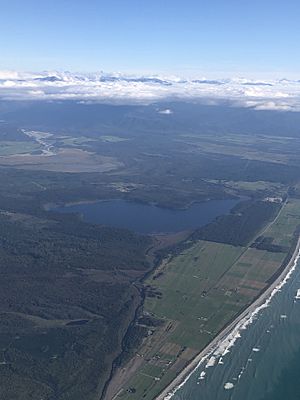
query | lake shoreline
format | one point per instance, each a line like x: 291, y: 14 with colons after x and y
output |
x: 170, y: 390
x: 52, y: 206
x: 143, y: 218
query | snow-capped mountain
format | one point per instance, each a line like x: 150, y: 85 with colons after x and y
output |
x: 280, y: 94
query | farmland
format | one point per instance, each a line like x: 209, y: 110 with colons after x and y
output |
x: 196, y: 294
x: 146, y: 302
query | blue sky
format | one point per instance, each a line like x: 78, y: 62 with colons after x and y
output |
x: 209, y: 38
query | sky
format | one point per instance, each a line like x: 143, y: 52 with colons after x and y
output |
x: 213, y: 38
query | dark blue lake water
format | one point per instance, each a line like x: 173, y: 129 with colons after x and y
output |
x: 146, y: 218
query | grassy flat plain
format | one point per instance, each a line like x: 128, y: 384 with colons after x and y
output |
x: 66, y: 160
x: 262, y: 147
x: 10, y: 148
x: 55, y: 269
x: 73, y: 141
x: 254, y: 187
x: 282, y: 229
x: 199, y: 292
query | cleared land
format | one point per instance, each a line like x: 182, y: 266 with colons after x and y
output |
x: 67, y: 160
x: 262, y: 147
x: 196, y: 294
x: 282, y: 229
x: 10, y: 148
x: 56, y: 270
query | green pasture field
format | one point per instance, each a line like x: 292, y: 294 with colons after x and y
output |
x: 199, y: 292
x: 74, y: 141
x: 13, y: 148
x: 258, y: 186
x: 259, y: 147
x: 283, y: 228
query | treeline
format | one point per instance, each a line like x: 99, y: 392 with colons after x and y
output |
x: 266, y: 243
x: 239, y: 227
x: 59, y: 269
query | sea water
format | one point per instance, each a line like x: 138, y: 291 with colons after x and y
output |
x: 260, y: 360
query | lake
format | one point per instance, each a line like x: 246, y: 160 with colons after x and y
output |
x: 147, y: 218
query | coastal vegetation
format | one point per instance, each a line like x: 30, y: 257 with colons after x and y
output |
x: 199, y: 292
x: 80, y: 302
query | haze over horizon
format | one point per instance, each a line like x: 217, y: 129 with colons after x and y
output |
x: 279, y: 95
x: 216, y: 40
x: 149, y: 200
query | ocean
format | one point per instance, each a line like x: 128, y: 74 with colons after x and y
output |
x: 261, y: 358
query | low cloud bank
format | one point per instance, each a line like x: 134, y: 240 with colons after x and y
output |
x: 281, y: 95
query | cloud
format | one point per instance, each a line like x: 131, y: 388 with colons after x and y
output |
x: 166, y: 111
x: 281, y: 95
x: 9, y: 75
x: 272, y: 106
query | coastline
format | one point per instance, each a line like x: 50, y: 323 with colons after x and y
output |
x: 246, y: 315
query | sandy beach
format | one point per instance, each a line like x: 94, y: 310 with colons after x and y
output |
x: 169, y: 391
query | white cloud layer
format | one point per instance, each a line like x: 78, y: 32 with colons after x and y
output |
x: 281, y: 95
